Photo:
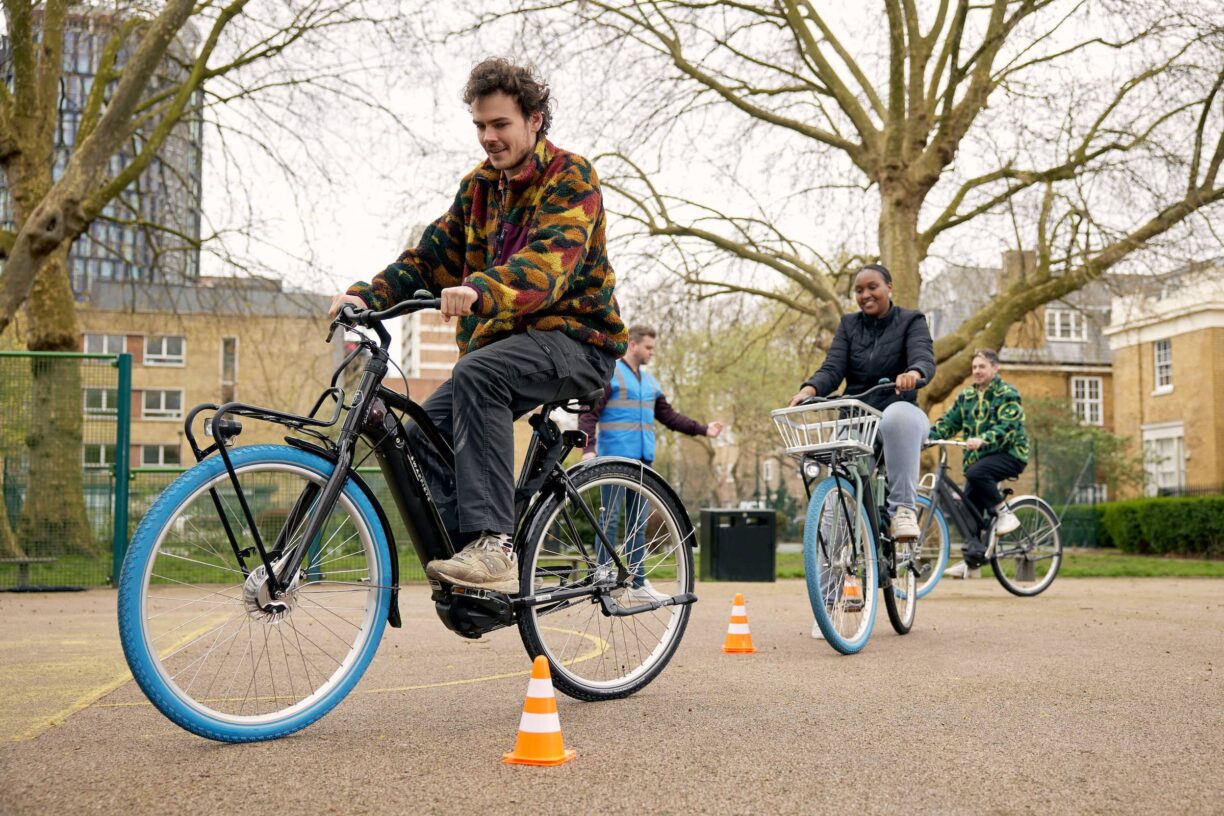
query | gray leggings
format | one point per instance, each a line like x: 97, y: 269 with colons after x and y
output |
x: 902, y: 429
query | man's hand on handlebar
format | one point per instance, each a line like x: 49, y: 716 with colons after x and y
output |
x: 457, y: 301
x: 806, y: 392
x: 340, y: 301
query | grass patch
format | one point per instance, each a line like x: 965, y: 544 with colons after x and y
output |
x: 1083, y: 563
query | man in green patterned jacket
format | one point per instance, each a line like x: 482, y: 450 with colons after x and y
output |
x: 991, y: 417
x: 520, y: 260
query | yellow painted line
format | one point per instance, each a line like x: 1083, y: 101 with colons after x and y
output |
x: 599, y: 647
x: 98, y: 692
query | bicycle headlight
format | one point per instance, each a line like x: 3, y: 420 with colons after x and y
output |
x: 811, y: 469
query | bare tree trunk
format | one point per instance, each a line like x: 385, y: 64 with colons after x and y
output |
x: 899, y: 250
x: 8, y: 544
x: 54, y: 519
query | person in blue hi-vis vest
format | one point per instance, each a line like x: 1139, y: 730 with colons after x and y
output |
x: 621, y: 423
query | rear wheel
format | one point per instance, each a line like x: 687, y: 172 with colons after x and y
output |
x: 901, y: 594
x: 840, y: 565
x: 933, y: 545
x: 1027, y: 559
x: 596, y: 656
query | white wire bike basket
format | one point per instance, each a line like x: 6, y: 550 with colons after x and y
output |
x: 824, y: 431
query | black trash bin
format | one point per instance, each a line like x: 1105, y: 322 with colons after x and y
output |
x: 738, y: 545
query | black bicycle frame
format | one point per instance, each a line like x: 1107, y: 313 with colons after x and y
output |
x: 468, y: 612
x: 950, y: 499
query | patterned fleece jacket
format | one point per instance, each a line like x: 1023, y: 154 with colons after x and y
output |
x: 993, y: 415
x: 532, y: 247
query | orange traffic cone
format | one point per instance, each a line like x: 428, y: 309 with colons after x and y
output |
x: 739, y: 639
x: 539, y: 736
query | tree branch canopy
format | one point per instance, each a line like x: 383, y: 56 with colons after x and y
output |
x: 940, y: 124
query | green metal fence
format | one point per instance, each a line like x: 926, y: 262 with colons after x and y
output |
x: 64, y: 431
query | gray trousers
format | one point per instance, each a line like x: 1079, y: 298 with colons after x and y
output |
x: 475, y: 411
x: 903, y: 428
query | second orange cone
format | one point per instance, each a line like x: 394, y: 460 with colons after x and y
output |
x: 739, y: 639
x: 539, y: 736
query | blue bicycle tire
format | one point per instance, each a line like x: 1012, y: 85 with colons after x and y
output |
x: 813, y: 571
x: 136, y: 575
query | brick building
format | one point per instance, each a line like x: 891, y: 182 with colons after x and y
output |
x: 1167, y: 342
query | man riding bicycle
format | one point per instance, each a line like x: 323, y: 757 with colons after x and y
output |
x: 520, y: 260
x: 989, y: 413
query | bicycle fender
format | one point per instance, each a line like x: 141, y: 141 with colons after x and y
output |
x: 393, y: 613
x: 671, y: 491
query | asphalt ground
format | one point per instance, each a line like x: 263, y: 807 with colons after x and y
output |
x: 1100, y: 696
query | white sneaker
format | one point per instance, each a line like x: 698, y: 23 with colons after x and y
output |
x: 816, y: 633
x: 645, y: 594
x: 1006, y: 521
x: 960, y: 570
x: 905, y: 524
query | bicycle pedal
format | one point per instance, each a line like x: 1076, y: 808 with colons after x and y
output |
x: 925, y: 569
x: 471, y: 592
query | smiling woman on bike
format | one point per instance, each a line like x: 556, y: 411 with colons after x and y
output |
x: 989, y: 413
x: 520, y: 260
x: 883, y: 341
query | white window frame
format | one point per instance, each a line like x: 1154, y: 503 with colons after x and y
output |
x: 1162, y: 369
x: 221, y: 362
x: 1090, y: 409
x: 163, y: 413
x: 767, y: 470
x: 106, y: 338
x: 1174, y: 464
x: 1058, y: 317
x: 96, y: 465
x: 161, y: 358
x: 161, y: 455
x: 107, y: 411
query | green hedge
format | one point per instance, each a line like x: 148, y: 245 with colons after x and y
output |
x: 1160, y: 526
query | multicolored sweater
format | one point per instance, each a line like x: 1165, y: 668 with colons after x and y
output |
x: 993, y: 415
x: 532, y: 247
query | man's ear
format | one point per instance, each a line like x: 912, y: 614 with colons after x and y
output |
x: 535, y: 121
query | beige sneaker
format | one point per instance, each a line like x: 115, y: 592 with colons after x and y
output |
x: 816, y: 633
x: 1007, y: 521
x: 905, y: 524
x: 483, y: 564
x: 962, y: 570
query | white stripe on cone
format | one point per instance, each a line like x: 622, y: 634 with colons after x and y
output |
x: 537, y: 687
x: 738, y: 629
x: 739, y: 610
x: 540, y: 723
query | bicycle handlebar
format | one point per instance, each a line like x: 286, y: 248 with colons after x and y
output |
x: 880, y: 386
x: 352, y: 317
x: 951, y: 443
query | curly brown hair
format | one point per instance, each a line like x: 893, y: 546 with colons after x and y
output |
x: 517, y: 81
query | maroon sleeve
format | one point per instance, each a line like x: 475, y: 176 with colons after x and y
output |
x: 588, y: 421
x: 675, y: 420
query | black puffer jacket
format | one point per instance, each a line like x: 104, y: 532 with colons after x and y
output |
x: 868, y: 349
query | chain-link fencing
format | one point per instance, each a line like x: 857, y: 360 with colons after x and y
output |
x: 64, y: 423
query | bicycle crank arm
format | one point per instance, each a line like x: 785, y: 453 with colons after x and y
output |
x: 611, y: 607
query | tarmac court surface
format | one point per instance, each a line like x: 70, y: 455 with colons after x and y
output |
x: 1100, y: 696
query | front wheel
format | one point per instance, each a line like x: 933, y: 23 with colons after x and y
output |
x: 839, y: 562
x: 1027, y: 559
x: 209, y: 646
x: 596, y: 656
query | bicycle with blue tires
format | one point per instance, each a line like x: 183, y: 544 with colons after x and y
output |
x: 848, y: 550
x: 256, y: 589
